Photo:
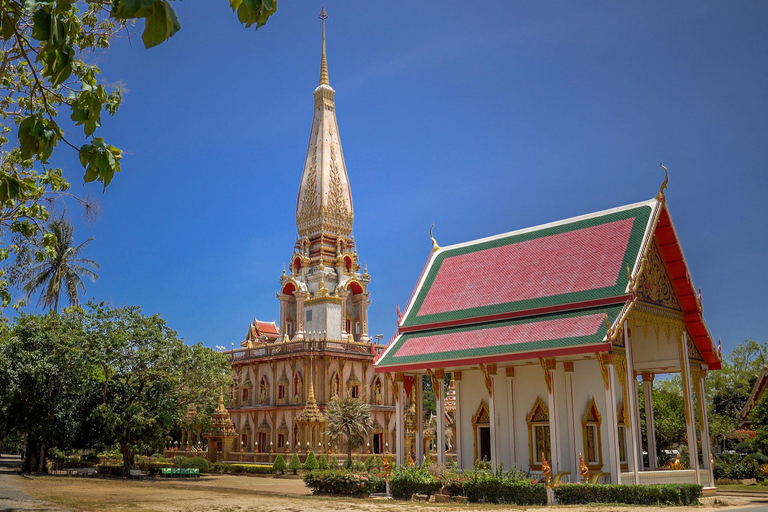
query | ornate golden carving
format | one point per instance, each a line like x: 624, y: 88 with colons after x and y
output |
x: 547, y: 378
x: 337, y: 205
x: 435, y: 247
x: 593, y: 445
x: 653, y: 284
x: 693, y: 352
x: 309, y: 204
x: 620, y: 364
x: 661, y: 321
x: 538, y: 420
x: 488, y: 382
x: 603, y: 370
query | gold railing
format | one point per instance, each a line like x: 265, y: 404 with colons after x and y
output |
x: 317, y: 346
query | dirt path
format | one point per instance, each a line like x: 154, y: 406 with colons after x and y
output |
x: 229, y: 493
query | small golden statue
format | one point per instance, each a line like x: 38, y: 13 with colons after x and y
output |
x: 583, y: 470
x: 410, y: 463
x: 546, y: 471
x: 387, y: 467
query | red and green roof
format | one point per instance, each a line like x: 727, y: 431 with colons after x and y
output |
x: 582, y: 260
x: 506, y: 340
x: 538, y: 292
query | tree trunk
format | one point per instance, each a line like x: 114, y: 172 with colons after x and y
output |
x: 128, y: 457
x: 349, y: 454
x: 41, y: 463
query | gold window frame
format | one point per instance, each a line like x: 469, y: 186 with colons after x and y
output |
x: 538, y: 417
x: 592, y: 418
x: 481, y: 418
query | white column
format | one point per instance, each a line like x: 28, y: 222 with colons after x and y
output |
x: 440, y: 427
x: 510, y: 371
x: 400, y: 419
x: 417, y: 388
x: 573, y: 423
x: 611, y: 423
x: 690, y: 417
x: 706, y: 447
x: 554, y: 424
x: 650, y: 429
x: 493, y: 421
x: 458, y: 440
x: 631, y: 409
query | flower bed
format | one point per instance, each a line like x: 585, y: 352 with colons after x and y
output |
x: 346, y: 483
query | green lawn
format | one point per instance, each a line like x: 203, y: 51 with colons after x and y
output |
x: 745, y: 488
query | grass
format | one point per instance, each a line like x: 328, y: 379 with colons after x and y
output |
x: 744, y: 488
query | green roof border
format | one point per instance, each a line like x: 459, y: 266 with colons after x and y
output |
x: 641, y: 214
x: 391, y: 359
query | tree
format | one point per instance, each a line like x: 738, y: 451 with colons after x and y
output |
x: 48, y: 74
x: 279, y: 465
x: 60, y: 270
x: 350, y: 419
x: 311, y: 463
x: 295, y: 463
x: 669, y: 422
x: 44, y: 390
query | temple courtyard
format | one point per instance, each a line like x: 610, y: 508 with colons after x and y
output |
x: 235, y: 493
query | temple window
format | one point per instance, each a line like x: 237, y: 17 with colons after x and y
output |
x: 593, y: 447
x: 357, y: 328
x: 231, y: 393
x: 354, y: 392
x: 348, y: 326
x: 245, y: 394
x: 281, y: 440
x: 243, y: 441
x: 622, y: 431
x: 289, y: 329
x: 335, y: 385
x: 481, y: 423
x: 538, y: 434
x: 280, y: 392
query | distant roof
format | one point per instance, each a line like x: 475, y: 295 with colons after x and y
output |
x: 539, y: 292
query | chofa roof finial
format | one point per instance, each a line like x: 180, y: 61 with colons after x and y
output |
x: 660, y: 195
x: 435, y: 247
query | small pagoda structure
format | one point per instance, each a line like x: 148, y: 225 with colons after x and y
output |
x: 190, y: 435
x: 220, y: 442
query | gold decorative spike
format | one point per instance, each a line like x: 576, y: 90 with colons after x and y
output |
x: 547, y: 380
x: 323, y: 64
x: 603, y: 370
x: 660, y: 195
x: 488, y: 383
x: 630, y: 280
x: 546, y: 470
x: 283, y: 270
x: 435, y: 247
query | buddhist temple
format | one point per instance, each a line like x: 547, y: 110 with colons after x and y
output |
x: 547, y: 333
x: 285, y: 372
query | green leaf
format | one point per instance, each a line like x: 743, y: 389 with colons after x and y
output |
x: 160, y: 25
x: 101, y: 161
x: 37, y: 138
x: 41, y: 29
x: 132, y: 9
x: 7, y: 24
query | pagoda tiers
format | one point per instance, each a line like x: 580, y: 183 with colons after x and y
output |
x: 221, y: 440
x: 286, y: 372
x: 546, y: 332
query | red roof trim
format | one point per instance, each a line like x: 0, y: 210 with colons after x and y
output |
x: 669, y: 245
x: 517, y: 356
x: 518, y: 314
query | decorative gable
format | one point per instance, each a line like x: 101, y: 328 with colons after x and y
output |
x: 655, y: 286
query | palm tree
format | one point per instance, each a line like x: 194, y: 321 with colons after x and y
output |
x: 348, y: 418
x: 62, y: 271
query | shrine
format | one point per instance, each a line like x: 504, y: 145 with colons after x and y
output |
x: 547, y: 332
x: 286, y: 372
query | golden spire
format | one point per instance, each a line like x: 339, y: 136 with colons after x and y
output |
x: 323, y: 64
x: 660, y: 195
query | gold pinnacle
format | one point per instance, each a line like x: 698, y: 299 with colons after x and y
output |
x: 323, y: 64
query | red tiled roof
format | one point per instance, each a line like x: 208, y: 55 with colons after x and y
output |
x: 267, y: 327
x: 574, y: 261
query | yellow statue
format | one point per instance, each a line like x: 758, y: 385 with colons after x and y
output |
x: 583, y: 470
x: 546, y: 471
x: 387, y: 468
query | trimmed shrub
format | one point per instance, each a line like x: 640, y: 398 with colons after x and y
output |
x: 110, y: 469
x: 322, y: 463
x: 759, y: 457
x: 295, y: 463
x: 311, y: 463
x: 253, y: 469
x: 406, y: 481
x: 333, y: 462
x: 496, y: 487
x: 669, y: 494
x: 747, y: 446
x: 347, y: 483
x: 197, y: 462
x: 221, y: 468
x: 279, y: 465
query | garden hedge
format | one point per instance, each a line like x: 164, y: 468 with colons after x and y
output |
x: 668, y: 494
x: 253, y: 469
x: 348, y: 483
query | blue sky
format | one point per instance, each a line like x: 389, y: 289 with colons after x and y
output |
x: 482, y: 118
